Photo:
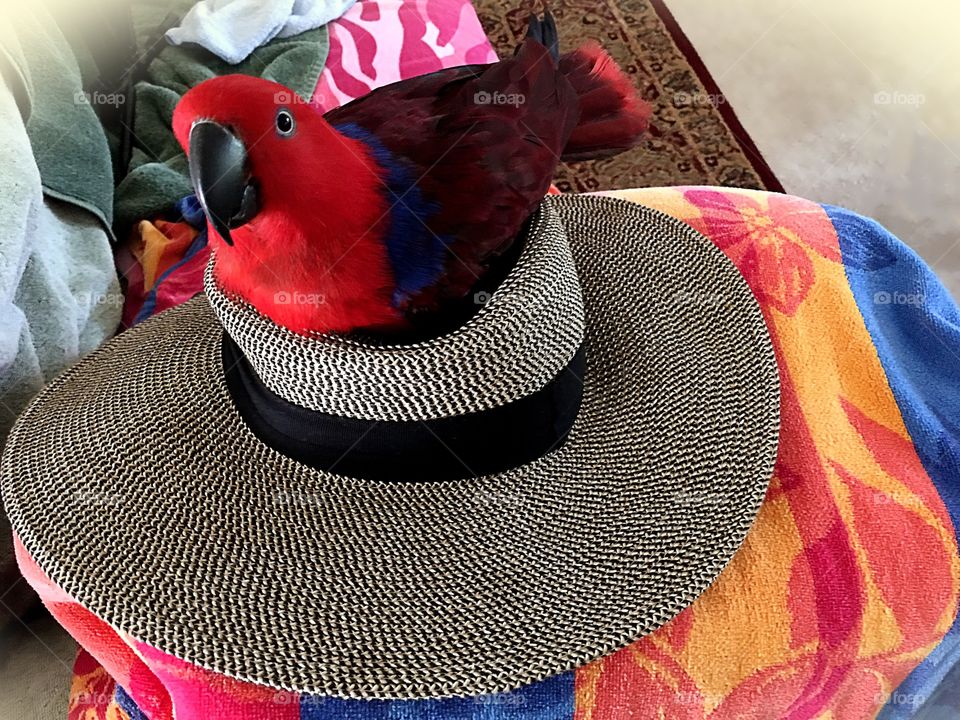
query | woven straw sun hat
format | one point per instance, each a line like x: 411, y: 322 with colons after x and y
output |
x: 546, y: 484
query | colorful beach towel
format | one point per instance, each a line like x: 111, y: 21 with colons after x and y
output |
x: 842, y: 601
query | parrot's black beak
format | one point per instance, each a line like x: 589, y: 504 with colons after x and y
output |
x: 221, y: 177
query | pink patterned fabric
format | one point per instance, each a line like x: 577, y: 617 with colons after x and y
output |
x: 377, y: 42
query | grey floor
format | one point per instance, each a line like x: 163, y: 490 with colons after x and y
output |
x: 36, y: 657
x: 854, y: 103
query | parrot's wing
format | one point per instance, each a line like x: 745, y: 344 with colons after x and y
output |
x: 478, y: 146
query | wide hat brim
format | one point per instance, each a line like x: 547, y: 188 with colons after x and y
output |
x: 135, y: 485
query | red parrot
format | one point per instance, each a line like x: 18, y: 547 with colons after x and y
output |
x: 399, y: 205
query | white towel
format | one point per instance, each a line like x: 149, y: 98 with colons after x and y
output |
x: 232, y: 29
x: 59, y: 293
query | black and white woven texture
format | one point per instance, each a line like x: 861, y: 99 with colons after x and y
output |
x: 137, y: 488
x: 528, y: 331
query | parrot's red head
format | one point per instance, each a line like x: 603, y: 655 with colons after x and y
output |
x: 290, y: 202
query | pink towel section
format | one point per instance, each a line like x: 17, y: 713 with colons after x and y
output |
x: 378, y: 42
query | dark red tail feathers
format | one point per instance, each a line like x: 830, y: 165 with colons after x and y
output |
x: 612, y: 115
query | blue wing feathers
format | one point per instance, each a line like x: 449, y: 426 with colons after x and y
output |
x: 417, y: 255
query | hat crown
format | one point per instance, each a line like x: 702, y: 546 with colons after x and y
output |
x: 525, y: 334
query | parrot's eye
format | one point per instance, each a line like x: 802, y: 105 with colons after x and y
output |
x: 285, y: 123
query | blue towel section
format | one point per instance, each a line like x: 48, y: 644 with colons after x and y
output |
x: 191, y: 210
x: 915, y: 326
x: 550, y: 699
x: 127, y: 704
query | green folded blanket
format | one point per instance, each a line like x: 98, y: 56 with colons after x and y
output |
x: 70, y: 147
